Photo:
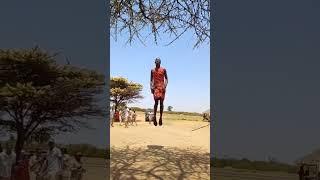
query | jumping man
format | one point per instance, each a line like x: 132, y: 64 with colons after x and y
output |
x: 158, y: 83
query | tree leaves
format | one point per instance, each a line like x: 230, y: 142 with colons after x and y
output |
x: 36, y: 94
x: 123, y: 91
x: 140, y: 19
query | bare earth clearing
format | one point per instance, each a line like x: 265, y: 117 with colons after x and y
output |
x: 172, y: 151
x: 96, y: 169
x: 236, y: 174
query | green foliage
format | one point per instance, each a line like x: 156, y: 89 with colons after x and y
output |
x: 170, y: 108
x: 40, y: 98
x: 122, y: 91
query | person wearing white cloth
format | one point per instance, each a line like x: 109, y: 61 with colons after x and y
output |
x: 54, y: 162
x: 7, y: 160
x: 77, y: 169
x: 35, y: 164
x: 66, y: 171
x: 126, y: 116
x: 112, y: 112
x: 2, y: 164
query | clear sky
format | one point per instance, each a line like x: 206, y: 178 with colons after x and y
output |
x: 76, y: 28
x: 267, y: 89
x: 188, y: 71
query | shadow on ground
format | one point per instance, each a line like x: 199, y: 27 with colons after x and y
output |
x: 158, y: 162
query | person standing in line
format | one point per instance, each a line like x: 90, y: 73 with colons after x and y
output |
x: 7, y: 160
x: 2, y: 163
x: 120, y: 112
x: 126, y: 116
x: 112, y: 115
x: 21, y: 169
x: 35, y: 163
x: 134, y: 117
x: 54, y: 162
x: 66, y: 172
x: 301, y: 173
x: 77, y: 169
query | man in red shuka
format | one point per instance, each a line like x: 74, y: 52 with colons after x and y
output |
x: 158, y: 83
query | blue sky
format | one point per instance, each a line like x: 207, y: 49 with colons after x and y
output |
x: 188, y: 70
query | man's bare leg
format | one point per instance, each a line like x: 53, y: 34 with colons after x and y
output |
x: 120, y: 119
x: 155, y: 108
x: 161, y: 111
x: 126, y: 123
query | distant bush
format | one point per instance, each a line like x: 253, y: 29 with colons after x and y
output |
x: 86, y: 150
x: 253, y: 165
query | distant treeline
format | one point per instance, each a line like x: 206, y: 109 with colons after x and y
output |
x: 86, y: 150
x: 169, y: 112
x: 253, y: 165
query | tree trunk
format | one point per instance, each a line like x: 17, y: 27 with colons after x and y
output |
x: 19, y: 144
x: 115, y: 107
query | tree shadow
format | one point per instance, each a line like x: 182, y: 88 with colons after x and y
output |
x: 158, y: 162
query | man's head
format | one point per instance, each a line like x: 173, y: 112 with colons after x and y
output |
x: 157, y: 62
x: 78, y: 156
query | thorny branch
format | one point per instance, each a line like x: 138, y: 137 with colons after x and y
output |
x: 140, y: 19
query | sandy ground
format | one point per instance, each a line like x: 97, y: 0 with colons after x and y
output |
x: 171, y: 134
x: 172, y: 151
x: 96, y: 169
x: 236, y: 174
x: 127, y: 166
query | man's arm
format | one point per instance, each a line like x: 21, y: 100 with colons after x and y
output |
x: 151, y: 82
x: 166, y: 77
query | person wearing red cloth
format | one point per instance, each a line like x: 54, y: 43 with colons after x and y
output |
x: 158, y: 83
x: 21, y: 170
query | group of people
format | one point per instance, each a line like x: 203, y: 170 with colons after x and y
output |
x: 55, y: 164
x: 126, y: 116
x: 304, y: 173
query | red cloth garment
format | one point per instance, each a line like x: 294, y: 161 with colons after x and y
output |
x: 22, y: 171
x: 158, y: 83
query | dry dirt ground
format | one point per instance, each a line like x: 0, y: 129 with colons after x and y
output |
x: 235, y: 174
x: 96, y: 169
x: 172, y: 151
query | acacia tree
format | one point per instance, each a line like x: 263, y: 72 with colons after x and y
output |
x: 38, y: 96
x: 140, y: 19
x: 170, y: 108
x: 122, y: 91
